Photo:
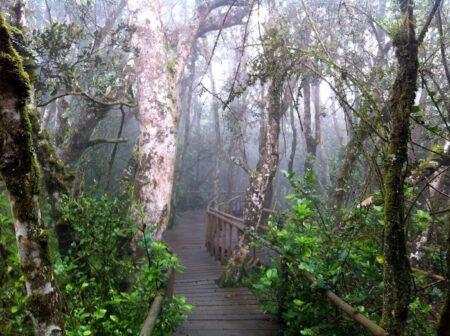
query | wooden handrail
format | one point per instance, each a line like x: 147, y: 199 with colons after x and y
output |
x: 371, y: 326
x: 217, y: 244
x: 155, y: 308
x: 436, y: 277
x: 238, y: 224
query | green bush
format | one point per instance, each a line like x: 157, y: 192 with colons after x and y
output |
x: 345, y: 257
x: 106, y: 289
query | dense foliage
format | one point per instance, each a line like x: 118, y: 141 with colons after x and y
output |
x: 346, y: 259
x: 106, y: 290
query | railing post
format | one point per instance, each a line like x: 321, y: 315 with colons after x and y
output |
x: 223, y: 242
x: 217, y: 239
x: 214, y: 234
x: 208, y: 232
x: 230, y: 239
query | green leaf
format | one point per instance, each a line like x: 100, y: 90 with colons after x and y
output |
x: 14, y: 309
x: 379, y: 259
x: 415, y: 109
x: 100, y: 313
x: 114, y: 318
x: 87, y: 332
x: 299, y: 302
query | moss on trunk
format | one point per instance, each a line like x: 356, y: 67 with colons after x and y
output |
x: 20, y: 172
x: 397, y: 273
x: 56, y: 181
x: 443, y: 328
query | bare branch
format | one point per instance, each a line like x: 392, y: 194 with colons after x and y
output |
x: 79, y: 92
x: 98, y: 141
x: 422, y: 34
x: 235, y: 17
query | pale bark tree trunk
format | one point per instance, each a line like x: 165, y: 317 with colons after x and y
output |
x: 262, y: 176
x: 20, y: 172
x: 158, y: 79
x: 322, y: 163
x: 157, y: 114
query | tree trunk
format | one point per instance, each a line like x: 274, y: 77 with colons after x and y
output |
x: 262, y: 176
x: 20, y: 172
x: 294, y: 141
x: 218, y: 143
x: 354, y: 147
x: 397, y: 273
x: 56, y: 182
x: 158, y: 78
x: 157, y: 114
x: 311, y: 144
x: 443, y: 328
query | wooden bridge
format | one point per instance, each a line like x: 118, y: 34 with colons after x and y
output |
x: 217, y: 311
x: 203, y: 240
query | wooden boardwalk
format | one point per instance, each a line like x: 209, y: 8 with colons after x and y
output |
x: 217, y: 311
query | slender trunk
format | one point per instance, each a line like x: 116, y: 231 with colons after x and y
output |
x: 261, y: 178
x: 56, y: 182
x: 112, y: 158
x: 339, y: 136
x: 19, y: 170
x: 322, y: 163
x: 218, y: 156
x: 74, y: 147
x: 397, y: 272
x: 354, y: 148
x: 294, y: 141
x: 311, y: 144
x: 186, y: 132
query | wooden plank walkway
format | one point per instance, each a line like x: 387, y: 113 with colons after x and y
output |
x: 217, y: 311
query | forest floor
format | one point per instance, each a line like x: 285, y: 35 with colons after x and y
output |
x: 217, y: 311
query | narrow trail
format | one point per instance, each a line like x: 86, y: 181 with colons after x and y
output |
x: 217, y: 311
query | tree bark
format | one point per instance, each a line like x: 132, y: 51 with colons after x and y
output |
x: 397, y: 272
x: 262, y: 176
x: 157, y: 114
x: 443, y: 328
x: 158, y: 78
x: 20, y: 172
x: 56, y: 181
x: 294, y: 141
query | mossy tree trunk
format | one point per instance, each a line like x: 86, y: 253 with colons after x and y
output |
x: 443, y: 328
x: 20, y: 172
x: 56, y: 181
x: 397, y: 273
x: 444, y: 318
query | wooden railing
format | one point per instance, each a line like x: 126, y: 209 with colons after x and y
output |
x: 155, y: 308
x: 223, y: 229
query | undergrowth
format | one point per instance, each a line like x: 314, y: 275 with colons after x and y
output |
x: 106, y: 289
